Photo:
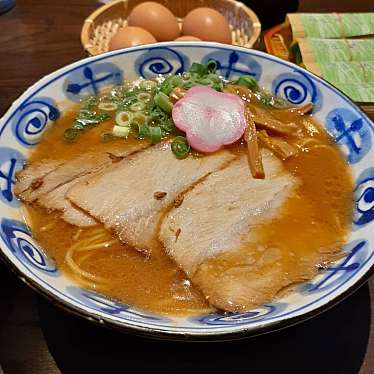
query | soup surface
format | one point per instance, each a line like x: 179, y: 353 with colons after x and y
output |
x: 313, y: 223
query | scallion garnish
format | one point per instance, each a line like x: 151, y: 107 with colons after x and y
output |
x: 186, y: 76
x: 86, y: 118
x: 124, y: 118
x: 144, y: 97
x: 121, y: 131
x: 147, y: 85
x: 137, y: 106
x: 247, y: 81
x: 107, y: 137
x: 163, y: 101
x: 154, y: 134
x: 139, y: 118
x: 211, y: 66
x: 143, y: 131
x: 266, y: 98
x: 170, y: 83
x: 203, y: 69
x: 107, y: 106
x: 180, y: 147
x: 70, y: 134
x: 144, y: 109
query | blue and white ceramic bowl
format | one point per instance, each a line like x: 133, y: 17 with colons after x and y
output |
x: 41, y: 105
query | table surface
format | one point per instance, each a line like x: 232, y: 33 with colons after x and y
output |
x: 38, y: 37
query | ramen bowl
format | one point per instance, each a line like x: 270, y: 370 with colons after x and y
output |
x: 41, y: 105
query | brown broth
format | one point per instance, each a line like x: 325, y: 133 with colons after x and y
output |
x: 313, y: 224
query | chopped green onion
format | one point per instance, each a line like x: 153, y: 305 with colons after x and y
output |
x: 154, y: 134
x: 144, y: 97
x: 107, y: 137
x: 107, y: 106
x: 167, y: 126
x: 247, y: 81
x: 123, y: 118
x: 86, y: 119
x: 186, y: 76
x: 137, y: 106
x: 176, y: 81
x: 119, y: 92
x: 139, y: 118
x: 143, y: 131
x: 180, y: 147
x: 90, y: 103
x: 170, y: 83
x: 70, y: 134
x: 211, y: 66
x: 268, y: 99
x: 166, y: 86
x: 147, y: 85
x: 206, y: 82
x: 121, y: 131
x: 198, y: 69
x: 163, y: 102
x: 203, y: 69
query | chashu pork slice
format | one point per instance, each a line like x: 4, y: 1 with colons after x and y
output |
x: 67, y: 170
x: 32, y: 174
x: 212, y: 235
x: 131, y: 197
x: 45, y: 183
x: 56, y: 200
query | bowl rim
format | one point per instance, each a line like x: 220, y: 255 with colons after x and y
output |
x: 242, y: 331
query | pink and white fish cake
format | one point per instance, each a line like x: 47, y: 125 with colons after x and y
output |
x: 209, y: 118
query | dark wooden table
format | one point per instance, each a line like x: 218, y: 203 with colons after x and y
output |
x: 39, y: 36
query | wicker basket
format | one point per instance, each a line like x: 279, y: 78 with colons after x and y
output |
x: 102, y: 24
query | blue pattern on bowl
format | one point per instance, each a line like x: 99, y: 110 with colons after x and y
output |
x: 113, y: 307
x: 11, y: 160
x: 259, y: 314
x: 33, y: 112
x: 31, y: 119
x: 231, y: 63
x: 89, y: 80
x: 343, y: 125
x: 356, y: 254
x: 298, y: 88
x: 18, y: 238
x: 161, y: 61
x: 364, y: 198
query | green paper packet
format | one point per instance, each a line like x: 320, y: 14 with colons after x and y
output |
x: 355, y: 79
x: 330, y: 47
x: 344, y: 72
x: 325, y: 50
x: 363, y: 93
x: 331, y: 25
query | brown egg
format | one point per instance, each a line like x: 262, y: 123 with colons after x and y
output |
x: 207, y: 24
x: 156, y: 19
x: 187, y: 38
x: 130, y: 37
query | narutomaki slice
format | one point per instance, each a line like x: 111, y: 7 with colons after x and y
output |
x: 209, y: 118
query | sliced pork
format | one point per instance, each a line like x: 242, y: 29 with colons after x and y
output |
x: 213, y: 237
x: 32, y: 175
x: 46, y: 182
x: 55, y: 200
x: 131, y: 197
